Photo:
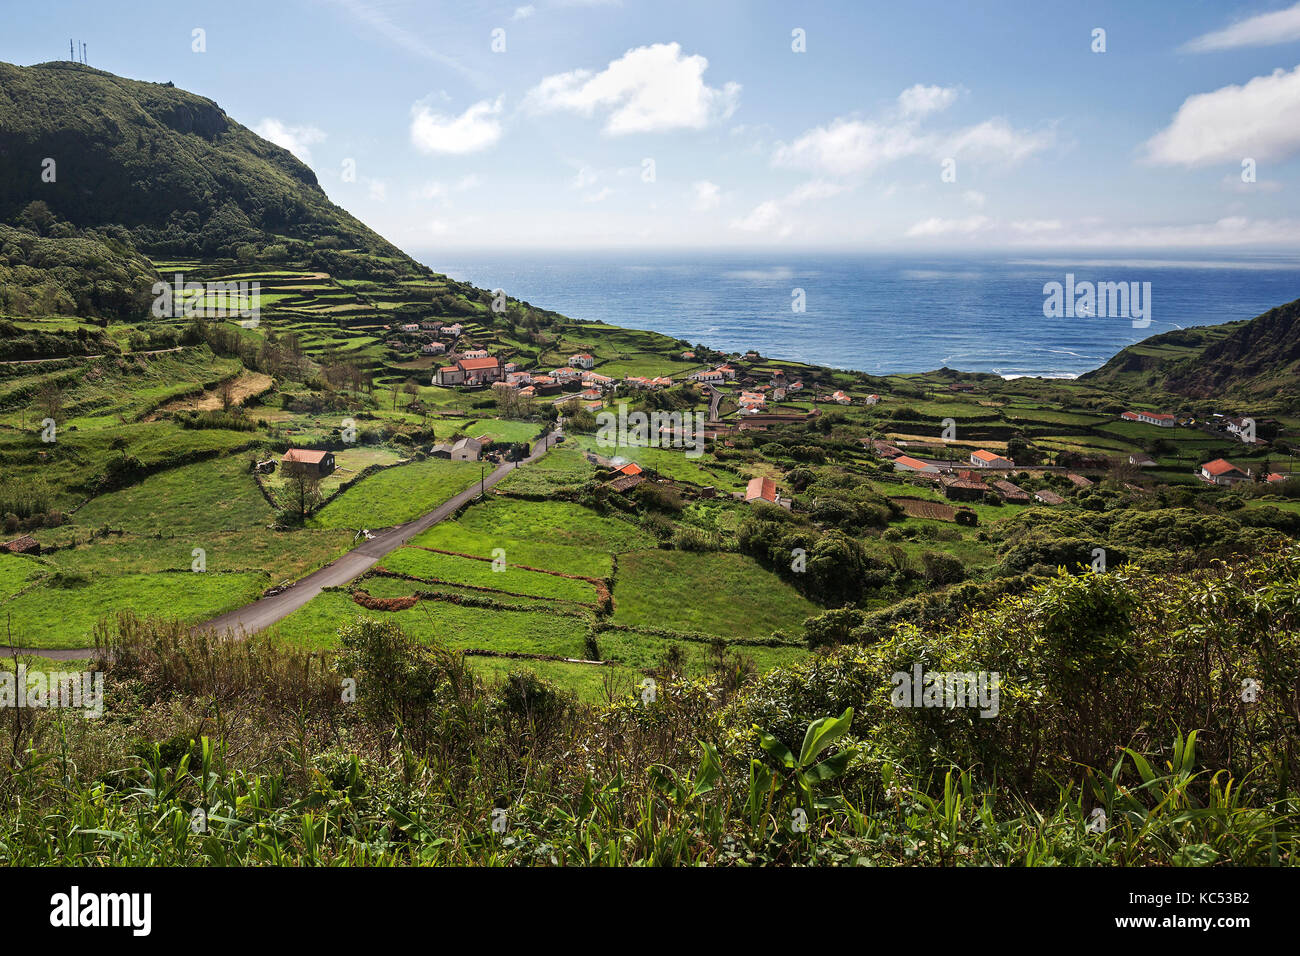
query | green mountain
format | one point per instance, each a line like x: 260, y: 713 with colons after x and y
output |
x: 170, y: 167
x: 1251, y: 360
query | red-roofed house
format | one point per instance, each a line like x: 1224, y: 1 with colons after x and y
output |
x: 986, y: 459
x: 581, y: 360
x: 473, y: 371
x: 308, y: 462
x: 762, y: 489
x: 1222, y: 472
x: 1157, y: 418
x: 907, y: 463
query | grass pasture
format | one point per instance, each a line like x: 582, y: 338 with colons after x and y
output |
x: 397, y: 495
x: 714, y: 593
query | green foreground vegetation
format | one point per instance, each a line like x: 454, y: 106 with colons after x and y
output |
x: 653, y: 668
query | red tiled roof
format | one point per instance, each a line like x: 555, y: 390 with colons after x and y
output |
x: 1220, y: 466
x: 910, y: 462
x: 764, y: 488
x: 983, y: 455
x: 306, y: 456
x: 631, y: 468
x: 477, y: 363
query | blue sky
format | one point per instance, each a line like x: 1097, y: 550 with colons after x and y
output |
x: 656, y: 123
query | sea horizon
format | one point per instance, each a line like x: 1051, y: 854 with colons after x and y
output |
x: 884, y: 313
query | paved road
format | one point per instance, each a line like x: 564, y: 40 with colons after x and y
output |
x: 714, y: 402
x: 262, y: 613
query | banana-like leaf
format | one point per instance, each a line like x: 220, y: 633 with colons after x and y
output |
x: 822, y: 733
x: 776, y: 749
x: 831, y: 767
x: 710, y: 770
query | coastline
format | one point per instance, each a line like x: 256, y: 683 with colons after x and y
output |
x: 876, y: 314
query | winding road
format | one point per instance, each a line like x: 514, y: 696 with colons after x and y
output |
x: 266, y: 611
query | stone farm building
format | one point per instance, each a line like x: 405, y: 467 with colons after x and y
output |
x: 473, y: 371
x: 467, y: 449
x: 962, y: 487
x: 307, y: 461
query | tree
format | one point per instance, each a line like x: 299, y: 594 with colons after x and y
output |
x: 303, y: 490
x: 50, y: 399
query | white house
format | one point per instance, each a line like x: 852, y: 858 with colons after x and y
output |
x: 581, y: 360
x: 1243, y: 428
x: 433, y: 348
x: 1157, y: 418
x: 467, y: 449
x: 1222, y: 472
x: 986, y: 459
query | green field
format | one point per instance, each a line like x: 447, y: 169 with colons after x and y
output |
x: 196, y: 499
x: 66, y: 616
x: 726, y: 594
x: 454, y: 569
x: 397, y: 495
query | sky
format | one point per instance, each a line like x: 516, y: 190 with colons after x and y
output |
x: 851, y: 125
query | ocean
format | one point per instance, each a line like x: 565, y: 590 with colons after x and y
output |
x: 881, y: 313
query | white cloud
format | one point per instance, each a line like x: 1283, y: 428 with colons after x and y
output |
x: 1036, y: 227
x: 776, y: 215
x: 814, y: 189
x: 296, y: 139
x: 435, y: 189
x: 920, y: 100
x: 647, y: 89
x: 524, y: 12
x: 1260, y: 120
x: 850, y: 147
x: 995, y: 140
x: 1267, y: 29
x: 975, y: 198
x: 765, y: 217
x: 846, y: 147
x: 707, y: 195
x: 378, y: 190
x: 599, y: 195
x: 1230, y: 231
x: 475, y: 129
x: 377, y: 19
x: 937, y: 226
